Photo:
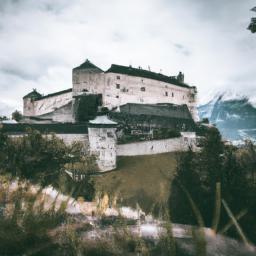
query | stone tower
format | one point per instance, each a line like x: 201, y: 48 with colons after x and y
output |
x: 28, y: 102
x: 102, y: 142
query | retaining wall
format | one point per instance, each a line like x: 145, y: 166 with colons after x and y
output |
x: 153, y: 147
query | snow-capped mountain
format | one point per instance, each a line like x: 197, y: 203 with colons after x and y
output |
x: 233, y: 114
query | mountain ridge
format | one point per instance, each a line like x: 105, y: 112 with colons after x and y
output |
x: 234, y: 115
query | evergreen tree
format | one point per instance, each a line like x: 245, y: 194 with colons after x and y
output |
x: 186, y: 177
x: 211, y: 158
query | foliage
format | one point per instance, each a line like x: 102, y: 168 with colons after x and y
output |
x: 16, y: 115
x: 24, y: 222
x: 33, y: 156
x: 165, y: 133
x: 199, y: 173
x: 116, y: 221
x: 158, y: 134
x: 3, y: 118
x: 41, y: 158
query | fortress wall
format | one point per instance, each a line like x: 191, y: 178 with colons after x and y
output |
x: 152, y: 147
x: 130, y: 91
x: 62, y: 114
x: 68, y: 139
x: 71, y: 138
x: 49, y: 104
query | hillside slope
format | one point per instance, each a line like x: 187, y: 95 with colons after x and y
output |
x: 140, y: 179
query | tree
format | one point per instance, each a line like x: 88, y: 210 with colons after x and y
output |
x: 186, y: 177
x: 16, y: 115
x: 3, y: 118
x: 252, y: 25
x: 198, y: 173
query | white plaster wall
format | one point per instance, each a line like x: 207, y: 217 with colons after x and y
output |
x: 28, y: 107
x: 152, y: 147
x: 130, y: 91
x: 86, y: 82
x: 49, y: 104
x: 103, y: 145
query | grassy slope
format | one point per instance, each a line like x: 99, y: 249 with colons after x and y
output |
x: 140, y: 179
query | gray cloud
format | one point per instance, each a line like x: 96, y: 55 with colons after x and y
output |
x: 41, y: 41
x: 182, y: 49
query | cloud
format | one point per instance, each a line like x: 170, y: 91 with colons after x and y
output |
x: 41, y: 41
x: 182, y: 49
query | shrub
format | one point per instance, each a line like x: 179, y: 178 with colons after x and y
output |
x: 24, y: 223
x: 165, y: 133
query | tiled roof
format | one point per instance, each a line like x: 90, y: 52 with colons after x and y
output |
x: 37, y: 96
x: 88, y: 65
x: 102, y: 120
x: 144, y: 73
x: 163, y: 110
x: 56, y: 93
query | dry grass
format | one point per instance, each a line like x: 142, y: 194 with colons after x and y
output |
x: 140, y: 179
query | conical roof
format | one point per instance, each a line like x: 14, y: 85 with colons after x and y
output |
x: 102, y: 121
x: 88, y: 65
x: 33, y: 95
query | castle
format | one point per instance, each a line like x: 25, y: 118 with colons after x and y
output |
x: 119, y: 85
x: 122, y: 111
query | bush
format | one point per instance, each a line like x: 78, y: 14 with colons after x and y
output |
x: 24, y: 223
x: 165, y: 133
x: 41, y: 158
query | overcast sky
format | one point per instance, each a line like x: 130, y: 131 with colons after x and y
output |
x: 42, y: 40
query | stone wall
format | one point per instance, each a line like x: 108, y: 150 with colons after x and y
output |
x: 62, y: 114
x: 153, y: 147
x: 47, y: 104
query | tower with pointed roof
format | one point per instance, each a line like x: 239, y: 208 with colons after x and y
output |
x: 103, y: 140
x: 28, y: 102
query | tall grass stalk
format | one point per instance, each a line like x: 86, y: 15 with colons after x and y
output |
x: 217, y: 209
x: 230, y: 223
x: 232, y: 217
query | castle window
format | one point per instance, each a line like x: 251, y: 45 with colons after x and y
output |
x: 124, y: 90
x: 166, y: 93
x: 143, y: 89
x: 118, y: 77
x: 117, y: 86
x: 117, y: 96
x: 172, y: 94
x: 110, y: 135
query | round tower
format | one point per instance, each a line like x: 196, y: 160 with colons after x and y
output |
x: 102, y: 142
